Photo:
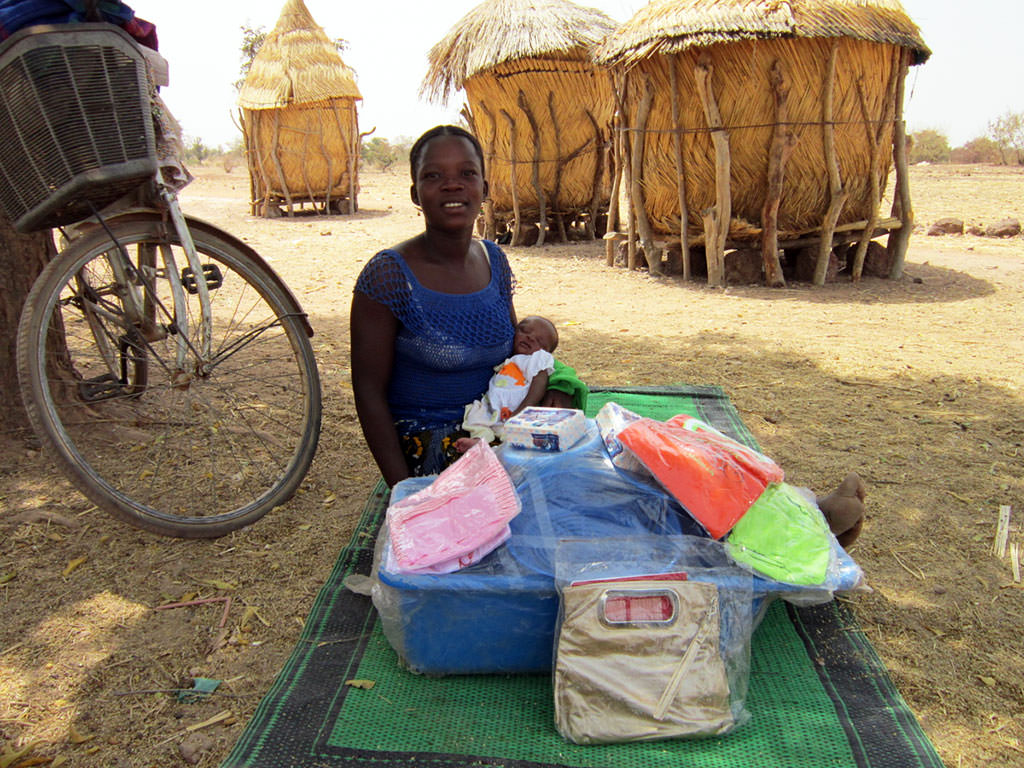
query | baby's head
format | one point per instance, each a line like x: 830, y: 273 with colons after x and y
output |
x: 534, y: 333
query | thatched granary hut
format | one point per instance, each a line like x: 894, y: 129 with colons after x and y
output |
x: 760, y: 125
x: 539, y: 106
x: 298, y: 111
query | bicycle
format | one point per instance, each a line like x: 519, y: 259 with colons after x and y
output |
x: 163, y: 364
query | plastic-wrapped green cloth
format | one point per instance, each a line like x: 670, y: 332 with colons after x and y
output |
x: 783, y: 536
x: 564, y: 379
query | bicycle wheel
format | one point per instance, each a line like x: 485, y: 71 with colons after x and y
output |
x: 148, y: 426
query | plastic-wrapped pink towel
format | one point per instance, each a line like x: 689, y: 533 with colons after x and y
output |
x: 448, y: 566
x: 458, y: 518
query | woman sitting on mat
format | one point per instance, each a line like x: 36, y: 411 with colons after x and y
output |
x: 433, y: 315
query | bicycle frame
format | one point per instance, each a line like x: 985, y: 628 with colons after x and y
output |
x: 139, y: 302
x: 170, y: 200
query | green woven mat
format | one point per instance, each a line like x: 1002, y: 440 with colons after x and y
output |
x: 818, y: 694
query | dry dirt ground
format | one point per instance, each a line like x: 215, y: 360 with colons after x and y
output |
x: 918, y: 384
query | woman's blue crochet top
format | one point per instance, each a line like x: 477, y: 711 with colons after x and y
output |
x: 447, y: 344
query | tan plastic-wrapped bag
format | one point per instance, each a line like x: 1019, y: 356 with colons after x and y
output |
x: 640, y: 659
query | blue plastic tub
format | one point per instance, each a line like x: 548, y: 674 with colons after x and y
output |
x: 471, y: 623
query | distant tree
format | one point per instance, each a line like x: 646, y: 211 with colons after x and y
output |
x: 404, y: 143
x: 252, y: 39
x: 196, y: 151
x: 929, y: 147
x: 379, y: 152
x: 1008, y: 134
x: 979, y: 150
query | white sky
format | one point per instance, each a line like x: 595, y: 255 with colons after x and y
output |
x: 971, y: 78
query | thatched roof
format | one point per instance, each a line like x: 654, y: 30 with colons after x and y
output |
x: 670, y: 26
x: 297, y: 64
x: 498, y: 31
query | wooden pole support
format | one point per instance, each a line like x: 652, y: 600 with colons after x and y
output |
x: 684, y: 214
x: 614, y: 213
x: 600, y: 150
x: 516, y: 228
x: 560, y: 163
x: 250, y: 162
x: 542, y: 216
x: 781, y: 147
x: 837, y: 193
x: 490, y: 230
x: 900, y: 240
x: 651, y: 253
x: 874, y: 131
x: 718, y: 218
x: 277, y: 162
x: 627, y: 192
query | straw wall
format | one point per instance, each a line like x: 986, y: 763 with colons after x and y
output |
x: 864, y: 73
x: 303, y: 153
x: 543, y: 123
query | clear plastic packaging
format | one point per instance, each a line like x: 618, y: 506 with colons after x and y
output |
x: 499, y: 614
x: 713, y: 476
x: 611, y: 420
x: 457, y: 519
x: 784, y: 536
x: 653, y: 640
x: 790, y: 550
x: 544, y: 429
x: 578, y: 493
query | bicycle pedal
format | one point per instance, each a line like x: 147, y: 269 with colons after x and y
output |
x: 211, y: 274
x: 100, y: 388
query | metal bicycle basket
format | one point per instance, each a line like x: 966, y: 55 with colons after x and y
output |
x: 76, y: 128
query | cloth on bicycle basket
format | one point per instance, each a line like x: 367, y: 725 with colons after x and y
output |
x: 619, y: 678
x: 460, y: 517
x: 713, y: 476
x: 15, y: 15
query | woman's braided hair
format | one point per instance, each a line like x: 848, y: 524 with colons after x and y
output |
x: 443, y: 130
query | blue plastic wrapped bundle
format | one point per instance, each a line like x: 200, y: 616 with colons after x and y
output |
x: 580, y: 494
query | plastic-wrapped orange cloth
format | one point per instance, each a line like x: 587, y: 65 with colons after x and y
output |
x: 713, y: 476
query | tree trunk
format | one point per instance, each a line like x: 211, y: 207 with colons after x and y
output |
x: 22, y: 258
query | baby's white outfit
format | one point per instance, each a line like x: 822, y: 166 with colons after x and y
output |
x: 505, y: 392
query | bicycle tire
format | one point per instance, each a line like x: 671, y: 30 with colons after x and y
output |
x: 189, y: 452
